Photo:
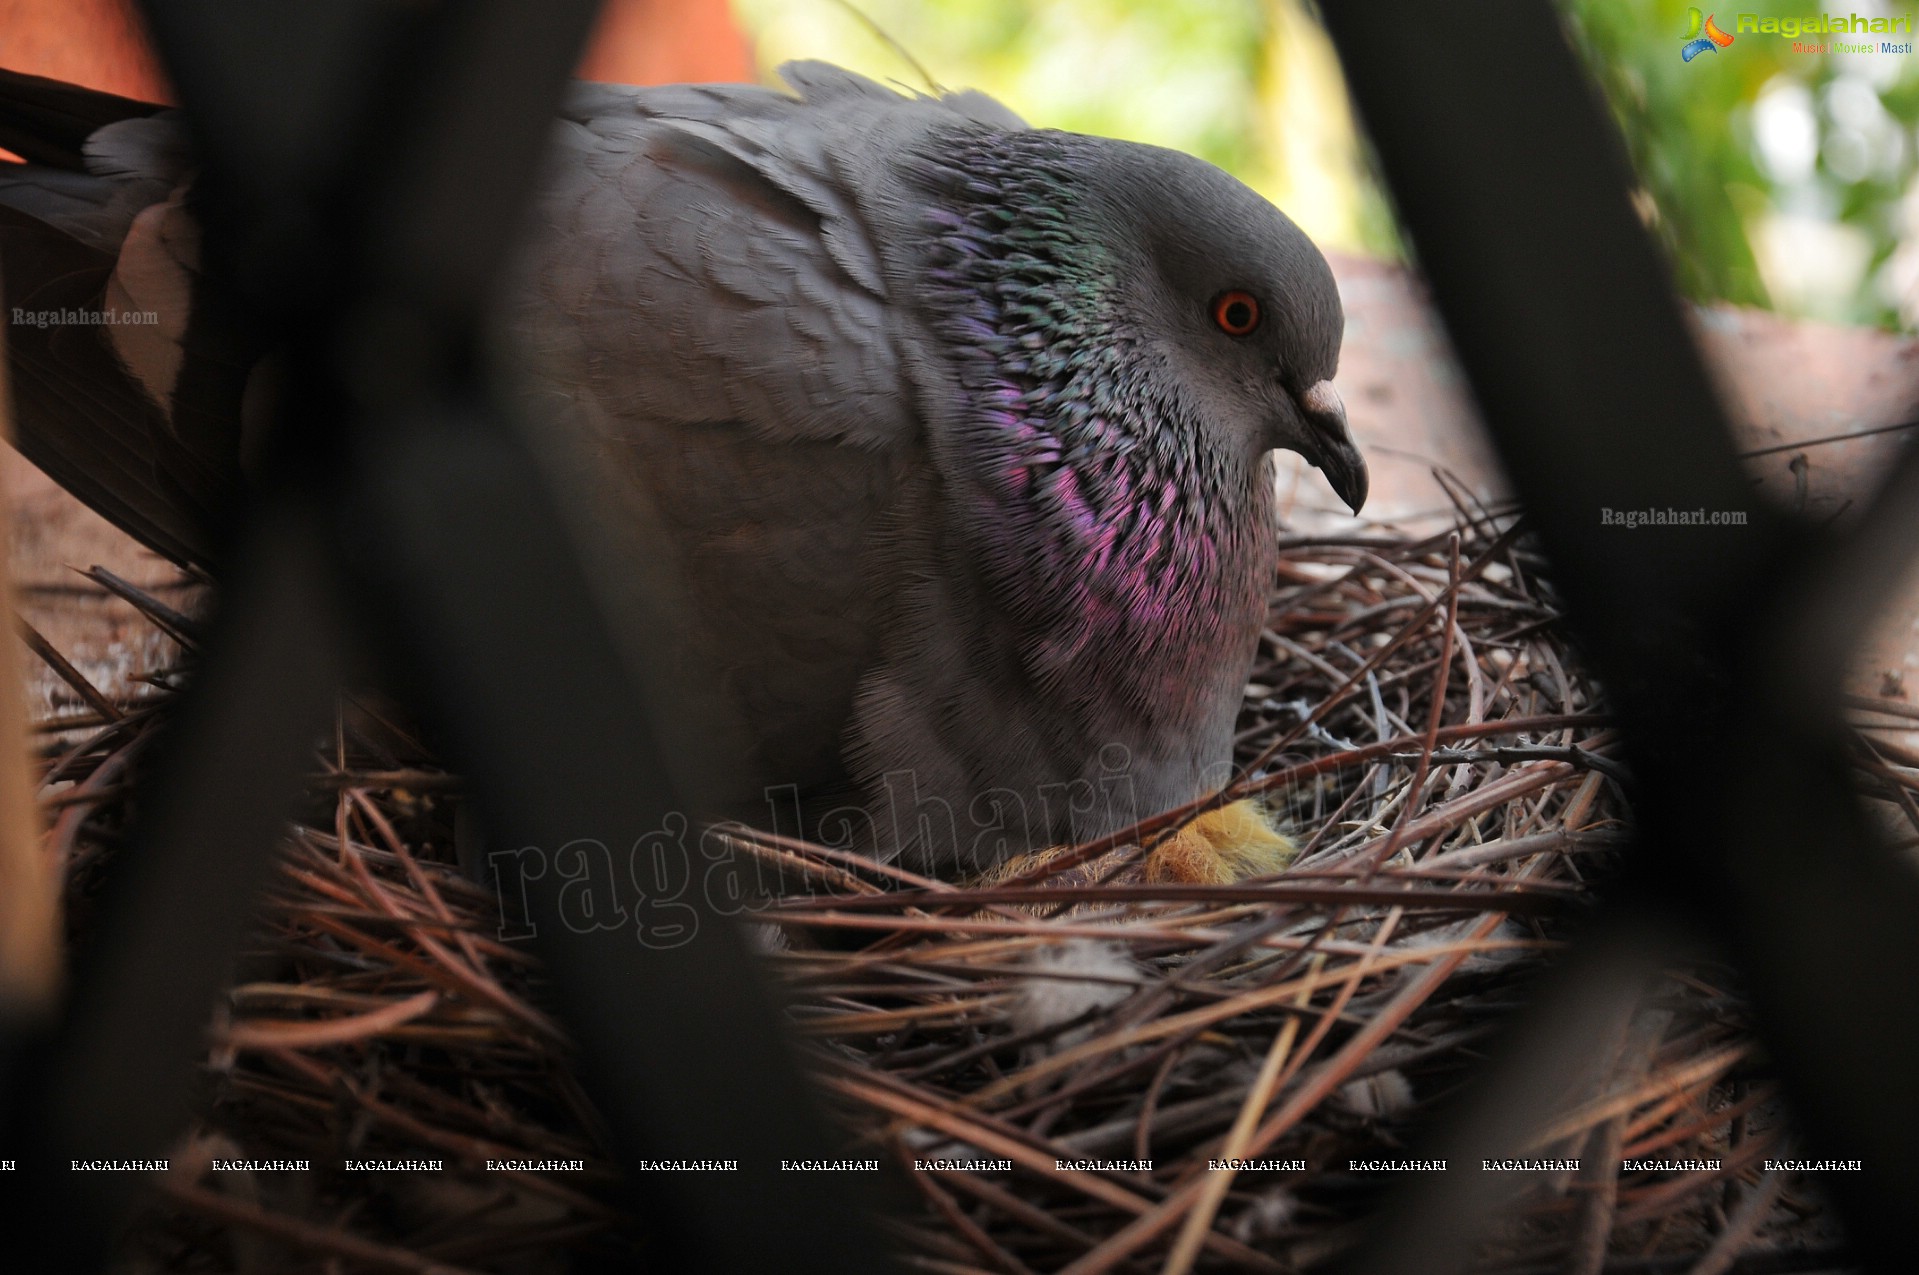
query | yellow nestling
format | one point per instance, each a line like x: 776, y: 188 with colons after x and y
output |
x: 1233, y: 843
x: 1236, y: 842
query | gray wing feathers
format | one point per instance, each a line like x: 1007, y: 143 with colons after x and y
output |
x: 707, y: 303
x: 129, y: 165
x: 712, y: 303
x: 729, y: 282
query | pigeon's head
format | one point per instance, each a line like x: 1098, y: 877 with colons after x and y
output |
x: 1242, y: 305
x: 1130, y: 313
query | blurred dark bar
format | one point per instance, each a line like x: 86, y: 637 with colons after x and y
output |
x: 365, y: 166
x: 1721, y: 647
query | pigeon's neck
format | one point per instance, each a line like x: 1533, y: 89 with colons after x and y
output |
x: 1108, y: 523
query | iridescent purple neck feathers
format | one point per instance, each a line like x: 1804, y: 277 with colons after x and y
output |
x: 1104, y: 519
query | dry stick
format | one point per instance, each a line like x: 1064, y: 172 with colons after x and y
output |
x: 1232, y: 1007
x: 1776, y: 448
x: 66, y: 829
x: 879, y: 1022
x: 810, y: 849
x: 1674, y: 1081
x: 1200, y: 1219
x: 309, y: 1034
x: 472, y: 979
x: 72, y: 764
x: 1477, y: 696
x: 324, y: 858
x: 825, y: 873
x: 1515, y: 784
x: 1599, y: 1162
x: 1505, y: 848
x: 66, y: 672
x: 1659, y: 1201
x: 535, y: 1137
x: 1743, y: 1225
x: 1515, y: 896
x: 175, y: 624
x: 413, y: 779
x: 1114, y: 1047
x: 450, y: 975
x: 1666, y: 1107
x: 1457, y: 492
x: 1143, y: 1230
x: 1646, y: 1147
x: 753, y: 839
x: 1040, y: 1149
x: 59, y: 724
x: 83, y: 797
x: 1399, y: 639
x: 1005, y: 1201
x: 352, y: 903
x: 1149, y: 1108
x: 464, y: 1146
x: 1324, y: 1081
x: 1871, y: 756
x: 1437, y: 711
x: 1510, y: 787
x: 423, y: 882
x: 306, y: 1235
x: 987, y: 1139
x: 1224, y: 948
x: 1030, y: 928
x: 1339, y: 812
x: 969, y: 1230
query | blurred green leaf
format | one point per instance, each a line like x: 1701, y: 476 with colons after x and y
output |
x: 1729, y: 221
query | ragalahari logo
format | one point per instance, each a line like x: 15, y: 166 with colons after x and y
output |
x: 1702, y: 37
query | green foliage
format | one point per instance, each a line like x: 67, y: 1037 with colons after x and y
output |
x: 1128, y: 68
x: 1772, y: 177
x: 1743, y: 219
x: 1686, y: 130
x: 1250, y: 85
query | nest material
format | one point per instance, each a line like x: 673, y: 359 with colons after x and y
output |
x: 1417, y: 719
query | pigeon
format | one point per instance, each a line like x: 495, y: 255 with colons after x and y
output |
x: 955, y: 435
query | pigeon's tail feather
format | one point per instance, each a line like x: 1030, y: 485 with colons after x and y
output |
x: 48, y: 121
x: 126, y: 391
x: 79, y: 414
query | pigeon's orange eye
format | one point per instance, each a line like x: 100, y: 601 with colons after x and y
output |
x: 1236, y: 312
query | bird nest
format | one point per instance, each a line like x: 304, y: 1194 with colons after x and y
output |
x: 1070, y: 1059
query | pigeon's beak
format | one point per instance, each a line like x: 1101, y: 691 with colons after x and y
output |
x: 1329, y: 444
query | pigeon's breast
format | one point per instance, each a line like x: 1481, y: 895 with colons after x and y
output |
x: 1131, y: 561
